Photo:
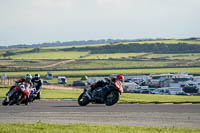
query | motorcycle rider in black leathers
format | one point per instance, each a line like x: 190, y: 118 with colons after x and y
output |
x: 107, y: 81
x: 37, y: 83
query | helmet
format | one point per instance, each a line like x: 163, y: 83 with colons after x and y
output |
x: 37, y: 76
x: 28, y: 76
x: 120, y: 77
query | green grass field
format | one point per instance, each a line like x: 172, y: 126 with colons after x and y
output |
x: 192, y: 56
x: 113, y: 56
x: 121, y: 64
x: 26, y: 58
x: 51, y: 55
x: 77, y: 46
x: 85, y: 128
x: 150, y: 60
x: 194, y: 70
x: 125, y: 97
x: 79, y: 64
x: 52, y: 58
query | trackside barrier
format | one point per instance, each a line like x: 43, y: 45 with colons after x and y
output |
x: 7, y: 81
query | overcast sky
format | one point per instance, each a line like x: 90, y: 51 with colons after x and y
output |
x: 39, y: 21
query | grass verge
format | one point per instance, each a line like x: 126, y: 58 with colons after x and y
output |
x: 192, y: 70
x: 125, y: 97
x: 84, y: 128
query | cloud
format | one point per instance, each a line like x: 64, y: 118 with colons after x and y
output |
x: 115, y: 3
x: 53, y: 3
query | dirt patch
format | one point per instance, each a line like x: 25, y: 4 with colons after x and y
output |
x: 55, y: 64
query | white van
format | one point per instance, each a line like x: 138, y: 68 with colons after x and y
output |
x: 62, y: 80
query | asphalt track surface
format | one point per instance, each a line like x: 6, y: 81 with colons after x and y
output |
x: 68, y: 112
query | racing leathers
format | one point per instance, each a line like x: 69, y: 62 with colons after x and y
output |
x: 37, y: 84
x: 115, y: 82
x: 22, y: 86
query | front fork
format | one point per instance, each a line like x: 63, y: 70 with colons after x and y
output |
x: 87, y: 94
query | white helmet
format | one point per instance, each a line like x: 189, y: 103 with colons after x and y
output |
x: 28, y: 76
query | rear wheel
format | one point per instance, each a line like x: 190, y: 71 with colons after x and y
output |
x: 83, y: 100
x: 112, y: 98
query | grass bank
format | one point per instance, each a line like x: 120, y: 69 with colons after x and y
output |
x: 125, y: 97
x: 192, y: 70
x: 84, y: 128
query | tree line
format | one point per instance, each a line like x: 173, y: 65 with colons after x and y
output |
x: 140, y: 48
x: 159, y: 48
x: 58, y: 43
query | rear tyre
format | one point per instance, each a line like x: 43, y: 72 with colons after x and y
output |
x: 83, y: 100
x: 112, y: 98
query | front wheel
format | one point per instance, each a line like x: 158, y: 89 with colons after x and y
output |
x: 112, y: 98
x: 14, y: 99
x: 5, y: 103
x: 83, y: 100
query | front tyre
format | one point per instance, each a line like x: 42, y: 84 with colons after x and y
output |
x: 83, y: 100
x: 112, y: 98
x: 14, y: 99
x: 5, y: 103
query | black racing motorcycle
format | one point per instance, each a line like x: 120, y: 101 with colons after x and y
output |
x: 108, y: 95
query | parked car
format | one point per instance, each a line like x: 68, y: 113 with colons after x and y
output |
x: 45, y: 82
x: 78, y: 83
x: 136, y: 91
x: 182, y: 93
x: 62, y: 80
x: 161, y: 91
x: 144, y: 91
x: 151, y: 89
x: 127, y: 80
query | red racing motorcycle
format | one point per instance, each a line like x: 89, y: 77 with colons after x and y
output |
x: 17, y: 93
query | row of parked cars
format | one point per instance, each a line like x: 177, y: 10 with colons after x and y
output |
x: 63, y: 80
x: 159, y: 91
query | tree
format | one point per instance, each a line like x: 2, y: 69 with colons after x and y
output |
x: 36, y: 50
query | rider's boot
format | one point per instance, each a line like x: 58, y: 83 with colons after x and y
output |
x: 7, y: 99
x: 27, y: 101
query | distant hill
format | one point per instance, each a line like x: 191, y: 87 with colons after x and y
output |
x: 73, y: 43
x: 190, y: 45
x: 191, y: 39
x: 58, y: 43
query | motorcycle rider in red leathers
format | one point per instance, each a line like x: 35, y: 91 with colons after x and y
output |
x: 24, y: 85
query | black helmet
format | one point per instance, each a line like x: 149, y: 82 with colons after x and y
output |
x: 37, y: 76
